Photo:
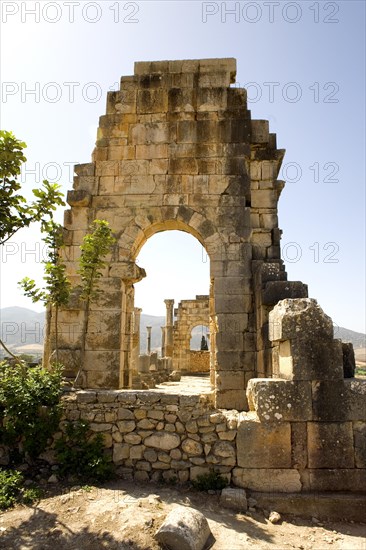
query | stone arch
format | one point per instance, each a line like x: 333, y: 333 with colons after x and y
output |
x: 177, y: 147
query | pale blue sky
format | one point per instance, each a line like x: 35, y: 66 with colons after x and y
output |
x: 280, y: 49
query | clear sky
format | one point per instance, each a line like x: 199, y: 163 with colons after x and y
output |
x: 303, y: 65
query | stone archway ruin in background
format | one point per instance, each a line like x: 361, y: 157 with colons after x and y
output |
x: 177, y: 149
x: 189, y: 314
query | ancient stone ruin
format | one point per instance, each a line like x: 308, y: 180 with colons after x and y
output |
x: 178, y: 150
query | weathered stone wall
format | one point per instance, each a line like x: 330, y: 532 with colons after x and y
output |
x: 306, y: 430
x: 152, y: 434
x: 279, y: 446
x: 199, y: 361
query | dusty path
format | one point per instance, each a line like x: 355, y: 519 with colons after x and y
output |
x: 123, y: 516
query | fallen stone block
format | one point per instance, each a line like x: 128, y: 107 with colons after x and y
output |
x: 175, y: 376
x: 184, y: 529
x: 234, y: 498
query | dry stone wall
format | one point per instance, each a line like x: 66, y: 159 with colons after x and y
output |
x: 150, y: 435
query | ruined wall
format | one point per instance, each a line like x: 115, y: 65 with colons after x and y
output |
x: 189, y: 314
x: 177, y: 149
x: 306, y: 430
x: 199, y: 361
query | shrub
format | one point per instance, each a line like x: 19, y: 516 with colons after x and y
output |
x: 10, y: 487
x: 80, y: 453
x: 30, y: 408
x: 212, y: 481
x: 11, y: 490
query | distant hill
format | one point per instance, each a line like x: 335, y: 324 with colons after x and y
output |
x: 22, y: 330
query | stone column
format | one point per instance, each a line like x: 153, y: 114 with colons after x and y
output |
x: 148, y: 340
x: 163, y: 341
x: 136, y: 338
x: 169, y: 328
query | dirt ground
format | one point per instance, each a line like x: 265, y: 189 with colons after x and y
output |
x: 122, y: 515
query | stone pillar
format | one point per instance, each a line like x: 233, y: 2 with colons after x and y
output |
x: 163, y: 341
x: 169, y: 328
x: 148, y: 340
x: 136, y: 338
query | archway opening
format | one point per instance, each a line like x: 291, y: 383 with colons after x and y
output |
x: 177, y: 278
x: 200, y: 338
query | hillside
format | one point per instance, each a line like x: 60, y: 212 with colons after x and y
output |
x: 22, y: 330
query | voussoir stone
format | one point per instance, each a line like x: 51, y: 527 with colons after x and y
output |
x: 163, y: 441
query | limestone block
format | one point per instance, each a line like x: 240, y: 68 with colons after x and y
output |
x: 275, y: 291
x: 163, y: 441
x: 191, y: 447
x: 336, y: 480
x: 125, y: 414
x: 339, y: 400
x: 307, y: 350
x: 231, y: 399
x: 224, y: 449
x: 141, y: 477
x: 211, y: 99
x: 85, y: 169
x: 290, y: 317
x: 86, y: 183
x: 181, y: 100
x: 359, y: 433
x: 108, y: 167
x: 108, y: 378
x: 126, y: 426
x: 183, y: 166
x: 214, y: 80
x: 141, y: 134
x: 136, y: 452
x: 299, y: 445
x: 280, y: 400
x: 330, y: 445
x: 260, y: 131
x: 349, y: 363
x: 103, y: 330
x: 234, y: 499
x: 70, y: 358
x: 152, y: 101
x: 78, y: 198
x: 229, y: 380
x: 184, y: 529
x: 264, y: 198
x: 155, y: 151
x: 121, y: 452
x: 237, y: 100
x: 267, y: 480
x: 263, y: 445
x: 119, y: 152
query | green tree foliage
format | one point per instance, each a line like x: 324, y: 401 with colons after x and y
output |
x: 80, y: 452
x: 30, y: 407
x: 96, y: 245
x: 56, y: 291
x: 15, y: 212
